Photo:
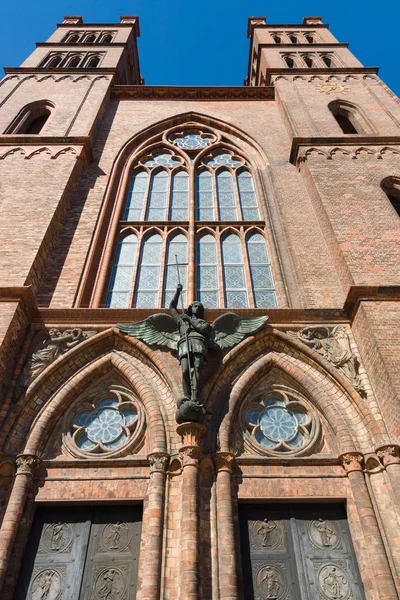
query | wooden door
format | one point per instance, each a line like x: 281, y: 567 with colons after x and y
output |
x: 297, y: 552
x: 82, y: 553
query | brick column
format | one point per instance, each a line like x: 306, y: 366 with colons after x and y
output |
x: 383, y: 579
x: 26, y: 468
x: 390, y: 458
x: 154, y: 526
x: 190, y: 455
x: 224, y: 463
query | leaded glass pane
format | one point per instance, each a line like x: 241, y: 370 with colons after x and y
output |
x: 223, y: 159
x: 247, y: 196
x: 226, y: 197
x: 136, y: 196
x: 149, y: 273
x: 260, y: 270
x: 179, y: 196
x: 207, y: 271
x: 204, y: 197
x: 234, y: 278
x: 158, y: 197
x: 177, y: 252
x: 163, y: 159
x: 122, y: 273
x: 192, y: 141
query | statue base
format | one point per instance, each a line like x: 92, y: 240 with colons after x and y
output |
x: 189, y: 411
x: 191, y: 433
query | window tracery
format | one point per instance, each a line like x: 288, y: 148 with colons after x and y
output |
x: 280, y: 421
x: 191, y: 187
x: 108, y: 423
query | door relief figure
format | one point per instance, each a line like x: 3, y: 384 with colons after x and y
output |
x: 58, y: 537
x: 265, y: 530
x: 109, y: 585
x: 46, y: 586
x: 270, y: 583
x: 326, y: 531
x: 334, y: 583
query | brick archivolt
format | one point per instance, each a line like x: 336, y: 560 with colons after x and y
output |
x: 350, y: 416
x: 48, y: 397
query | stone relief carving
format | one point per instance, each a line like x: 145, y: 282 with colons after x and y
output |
x: 27, y: 464
x: 333, y: 582
x: 332, y: 88
x: 264, y: 530
x: 46, y: 585
x: 266, y: 535
x: 389, y: 455
x: 351, y: 462
x: 58, y: 343
x: 158, y: 462
x: 334, y: 345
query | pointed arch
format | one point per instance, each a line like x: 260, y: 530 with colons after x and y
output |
x: 324, y: 385
x: 144, y: 372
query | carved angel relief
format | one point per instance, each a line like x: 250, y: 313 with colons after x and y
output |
x: 334, y: 345
x: 191, y: 337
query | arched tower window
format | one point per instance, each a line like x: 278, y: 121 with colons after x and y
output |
x: 93, y: 61
x: 391, y: 187
x: 32, y: 118
x: 195, y: 179
x: 349, y: 117
x: 289, y: 61
x: 293, y: 39
x: 89, y: 39
x: 327, y: 60
x: 73, y: 39
x: 54, y: 61
x: 308, y: 60
x: 277, y: 39
x: 74, y: 62
x: 107, y: 39
x: 310, y: 38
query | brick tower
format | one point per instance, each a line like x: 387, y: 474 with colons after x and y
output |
x: 278, y: 199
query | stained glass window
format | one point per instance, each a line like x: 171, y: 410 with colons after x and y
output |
x: 279, y: 423
x: 260, y: 269
x: 158, y: 197
x: 223, y: 158
x: 234, y: 277
x: 247, y: 196
x: 179, y: 196
x: 149, y: 273
x: 136, y: 196
x: 207, y: 271
x: 192, y: 141
x: 226, y: 196
x: 122, y: 273
x: 177, y: 251
x: 105, y: 427
x: 204, y: 196
x: 162, y: 159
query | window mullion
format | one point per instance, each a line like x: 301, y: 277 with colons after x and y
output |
x: 135, y: 278
x: 191, y: 253
x: 162, y: 276
x: 168, y: 199
x: 239, y: 214
x: 220, y: 265
x: 147, y: 195
x: 215, y: 196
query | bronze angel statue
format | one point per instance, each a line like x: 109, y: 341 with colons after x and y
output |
x: 188, y: 334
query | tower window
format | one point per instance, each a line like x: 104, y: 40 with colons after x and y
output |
x: 55, y: 61
x: 345, y: 124
x: 327, y: 60
x: 293, y: 39
x: 31, y: 119
x: 90, y: 39
x: 310, y: 38
x: 349, y: 117
x: 277, y: 39
x: 74, y: 62
x: 391, y: 187
x: 93, y: 61
x: 308, y: 60
x: 289, y: 61
x: 107, y: 39
x: 73, y: 39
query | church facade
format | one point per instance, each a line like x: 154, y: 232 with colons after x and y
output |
x: 201, y: 455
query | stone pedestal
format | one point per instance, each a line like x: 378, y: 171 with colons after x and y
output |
x: 190, y: 454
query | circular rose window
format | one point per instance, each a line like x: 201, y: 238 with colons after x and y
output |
x: 105, y: 425
x: 280, y: 423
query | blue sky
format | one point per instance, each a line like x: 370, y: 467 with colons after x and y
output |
x: 203, y: 42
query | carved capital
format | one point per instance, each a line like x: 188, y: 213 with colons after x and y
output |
x: 190, y: 455
x: 27, y: 464
x: 351, y: 461
x: 158, y: 462
x: 389, y: 455
x: 191, y: 433
x: 224, y: 461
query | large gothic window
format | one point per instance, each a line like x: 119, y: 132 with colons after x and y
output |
x: 191, y: 214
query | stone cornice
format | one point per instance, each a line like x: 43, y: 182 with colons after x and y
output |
x: 158, y: 92
x: 311, y: 47
x: 61, y: 70
x: 76, y: 45
x: 342, y: 141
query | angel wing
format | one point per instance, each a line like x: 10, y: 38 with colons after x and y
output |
x: 229, y: 329
x: 157, y: 330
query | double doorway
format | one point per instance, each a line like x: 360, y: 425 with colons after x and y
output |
x: 82, y: 553
x: 297, y: 552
